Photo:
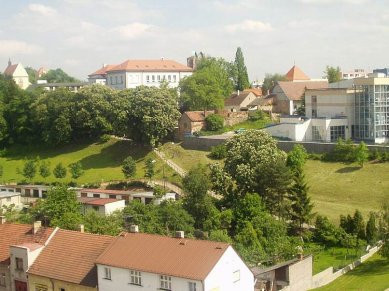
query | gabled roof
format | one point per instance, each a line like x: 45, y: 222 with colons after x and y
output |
x: 256, y: 91
x: 295, y: 73
x: 102, y: 71
x: 151, y: 66
x: 236, y: 99
x: 70, y: 256
x: 19, y: 234
x: 96, y: 201
x: 178, y: 257
x: 10, y: 70
x: 197, y: 116
x: 295, y: 90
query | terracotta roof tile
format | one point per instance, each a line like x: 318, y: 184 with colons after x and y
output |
x: 295, y: 90
x: 19, y: 234
x: 151, y: 66
x: 178, y: 257
x: 235, y: 99
x: 197, y: 116
x: 102, y: 71
x: 10, y: 70
x: 256, y: 91
x: 70, y: 256
x: 295, y: 73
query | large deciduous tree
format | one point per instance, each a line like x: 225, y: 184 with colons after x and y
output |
x: 242, y: 79
x: 333, y: 74
x: 58, y: 76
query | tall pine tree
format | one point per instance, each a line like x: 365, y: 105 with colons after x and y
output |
x: 242, y: 78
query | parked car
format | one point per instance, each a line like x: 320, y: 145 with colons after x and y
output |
x: 239, y: 130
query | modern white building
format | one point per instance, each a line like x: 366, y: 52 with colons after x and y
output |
x: 356, y: 73
x: 36, y: 191
x: 134, y: 73
x: 148, y: 262
x: 357, y: 109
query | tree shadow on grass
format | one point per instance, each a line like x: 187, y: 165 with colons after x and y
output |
x: 348, y: 170
x: 113, y: 155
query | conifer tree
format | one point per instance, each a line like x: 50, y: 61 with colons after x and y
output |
x: 242, y: 78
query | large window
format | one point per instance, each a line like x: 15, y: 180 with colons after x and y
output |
x: 316, y: 135
x: 19, y: 263
x: 2, y: 279
x: 107, y: 273
x: 165, y: 282
x: 337, y: 132
x: 135, y: 277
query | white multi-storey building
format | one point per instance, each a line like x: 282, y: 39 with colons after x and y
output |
x: 134, y: 73
x: 137, y: 261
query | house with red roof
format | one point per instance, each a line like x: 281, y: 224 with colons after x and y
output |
x: 134, y: 73
x: 103, y: 206
x: 18, y: 73
x: 239, y: 101
x: 137, y: 261
x: 191, y: 122
x: 20, y: 245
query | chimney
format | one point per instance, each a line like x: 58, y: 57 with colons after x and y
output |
x: 82, y: 228
x: 180, y: 234
x: 134, y: 228
x: 162, y: 58
x: 36, y: 226
x: 2, y: 219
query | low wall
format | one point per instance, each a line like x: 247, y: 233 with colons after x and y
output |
x: 327, y: 276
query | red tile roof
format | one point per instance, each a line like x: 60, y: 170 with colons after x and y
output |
x: 236, y: 100
x: 19, y: 234
x: 197, y: 116
x: 10, y: 70
x: 96, y: 201
x: 70, y: 256
x: 102, y: 71
x: 178, y: 257
x: 295, y: 90
x: 151, y: 66
x: 295, y: 73
x: 256, y: 91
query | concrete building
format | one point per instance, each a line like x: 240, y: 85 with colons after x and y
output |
x: 358, y: 109
x: 36, y: 191
x: 10, y: 198
x: 20, y: 245
x: 356, y: 73
x: 152, y: 262
x: 103, y: 206
x: 18, y: 73
x: 134, y: 73
x: 68, y: 262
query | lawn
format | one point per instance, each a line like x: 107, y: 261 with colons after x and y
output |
x: 338, y: 188
x: 337, y: 257
x: 101, y: 161
x: 372, y: 275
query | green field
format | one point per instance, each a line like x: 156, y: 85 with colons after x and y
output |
x: 101, y: 161
x: 372, y: 275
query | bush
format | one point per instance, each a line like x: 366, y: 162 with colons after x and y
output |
x: 257, y: 115
x: 384, y: 157
x: 315, y: 157
x: 344, y: 151
x: 218, y: 152
x: 214, y: 122
x: 374, y: 155
x: 104, y: 138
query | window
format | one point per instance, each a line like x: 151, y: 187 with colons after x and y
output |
x: 337, y: 132
x: 83, y: 194
x: 153, y: 78
x: 135, y: 277
x: 19, y: 263
x: 112, y: 196
x: 2, y: 279
x: 95, y: 207
x: 147, y: 78
x: 121, y: 79
x: 96, y: 195
x: 159, y: 78
x: 62, y: 289
x: 169, y: 78
x: 107, y: 273
x: 236, y: 276
x: 40, y: 287
x: 316, y: 136
x: 165, y: 282
x: 192, y: 286
x: 116, y: 79
x: 174, y: 78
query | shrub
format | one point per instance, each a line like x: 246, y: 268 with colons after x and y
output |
x: 344, y: 151
x: 374, y: 155
x: 218, y: 152
x: 104, y: 138
x: 384, y: 157
x: 315, y: 157
x: 257, y: 115
x: 214, y: 122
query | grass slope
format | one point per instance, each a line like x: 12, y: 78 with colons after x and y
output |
x: 101, y: 161
x: 372, y: 275
x: 337, y: 188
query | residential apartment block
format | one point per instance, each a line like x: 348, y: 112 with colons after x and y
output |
x: 134, y: 73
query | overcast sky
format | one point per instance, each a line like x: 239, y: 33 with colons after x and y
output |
x: 80, y: 35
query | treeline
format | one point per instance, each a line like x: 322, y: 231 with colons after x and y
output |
x: 143, y: 114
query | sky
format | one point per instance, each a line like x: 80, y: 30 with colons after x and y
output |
x: 80, y: 36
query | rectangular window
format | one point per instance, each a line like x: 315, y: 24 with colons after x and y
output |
x: 135, y: 278
x: 19, y: 263
x: 148, y: 79
x: 169, y: 78
x: 153, y: 78
x: 96, y: 195
x: 174, y: 78
x: 112, y: 196
x: 192, y: 286
x: 62, y: 289
x: 236, y: 276
x: 121, y: 79
x: 337, y: 132
x: 95, y: 207
x: 83, y: 194
x: 107, y: 273
x: 158, y: 78
x: 40, y: 287
x: 2, y: 279
x: 165, y: 282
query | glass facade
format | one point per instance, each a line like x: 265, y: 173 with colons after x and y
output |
x: 316, y: 136
x: 337, y: 132
x: 371, y: 112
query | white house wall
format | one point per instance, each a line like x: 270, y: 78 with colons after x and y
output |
x: 223, y: 275
x: 113, y: 206
x: 120, y: 280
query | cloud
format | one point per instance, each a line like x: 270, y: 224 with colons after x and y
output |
x: 42, y: 9
x: 133, y: 30
x: 13, y: 47
x: 249, y: 25
x: 233, y: 7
